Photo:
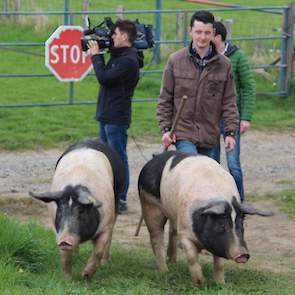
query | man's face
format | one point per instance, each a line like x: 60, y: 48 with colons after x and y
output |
x: 119, y: 38
x: 201, y: 34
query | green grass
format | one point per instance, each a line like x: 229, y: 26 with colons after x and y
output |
x: 284, y: 199
x: 29, y: 264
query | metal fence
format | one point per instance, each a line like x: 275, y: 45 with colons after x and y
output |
x: 282, y: 43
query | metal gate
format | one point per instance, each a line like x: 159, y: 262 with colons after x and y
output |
x: 282, y: 39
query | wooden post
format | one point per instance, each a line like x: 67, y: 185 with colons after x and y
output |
x: 179, y: 30
x: 120, y: 12
x: 17, y: 5
x: 228, y: 23
x: 17, y: 8
x: 85, y: 7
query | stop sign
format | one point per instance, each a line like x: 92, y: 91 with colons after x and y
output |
x: 64, y: 56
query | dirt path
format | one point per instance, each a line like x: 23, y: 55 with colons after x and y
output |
x: 268, y: 162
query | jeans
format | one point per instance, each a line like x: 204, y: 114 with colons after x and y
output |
x: 233, y: 163
x: 187, y: 146
x: 116, y: 136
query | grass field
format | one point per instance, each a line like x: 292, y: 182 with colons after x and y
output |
x: 29, y: 264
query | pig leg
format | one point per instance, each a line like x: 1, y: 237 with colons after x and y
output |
x: 218, y: 269
x: 106, y: 256
x: 155, y: 222
x: 100, y: 245
x: 192, y: 253
x: 172, y: 244
x: 66, y: 262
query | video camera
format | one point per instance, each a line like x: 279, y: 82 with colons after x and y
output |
x: 102, y: 33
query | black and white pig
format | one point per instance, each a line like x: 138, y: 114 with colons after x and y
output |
x: 202, y: 204
x: 83, y: 201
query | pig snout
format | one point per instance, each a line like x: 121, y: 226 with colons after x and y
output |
x: 242, y: 258
x: 66, y: 243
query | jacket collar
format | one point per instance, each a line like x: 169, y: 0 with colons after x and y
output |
x: 212, y: 53
x: 117, y: 51
x: 229, y: 49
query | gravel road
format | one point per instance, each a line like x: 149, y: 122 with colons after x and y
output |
x: 268, y: 161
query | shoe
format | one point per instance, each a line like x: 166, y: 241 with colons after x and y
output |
x: 123, y: 208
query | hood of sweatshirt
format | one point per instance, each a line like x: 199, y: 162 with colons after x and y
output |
x: 230, y: 49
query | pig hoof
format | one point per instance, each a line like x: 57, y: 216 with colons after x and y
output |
x: 86, y: 274
x: 105, y: 261
x: 220, y: 281
x: 172, y: 259
x: 198, y: 281
x: 68, y: 275
x: 162, y: 269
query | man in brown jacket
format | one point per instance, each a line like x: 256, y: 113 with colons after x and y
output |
x: 205, y: 77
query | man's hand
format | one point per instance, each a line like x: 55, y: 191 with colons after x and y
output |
x: 244, y: 126
x: 167, y: 140
x: 229, y: 143
x: 93, y: 47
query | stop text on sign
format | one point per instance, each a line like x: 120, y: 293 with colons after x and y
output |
x: 64, y: 56
x: 67, y: 53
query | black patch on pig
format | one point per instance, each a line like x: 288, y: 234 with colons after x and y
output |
x: 214, y: 231
x: 112, y: 156
x: 151, y: 174
x: 179, y: 156
x: 239, y: 222
x: 82, y: 220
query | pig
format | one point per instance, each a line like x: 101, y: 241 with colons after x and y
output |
x: 83, y: 201
x: 201, y: 201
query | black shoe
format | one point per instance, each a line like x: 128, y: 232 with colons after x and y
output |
x: 123, y: 208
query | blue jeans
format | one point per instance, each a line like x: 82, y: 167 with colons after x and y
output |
x: 233, y: 162
x: 187, y: 146
x: 116, y: 136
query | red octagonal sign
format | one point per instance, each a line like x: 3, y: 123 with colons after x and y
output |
x: 64, y: 56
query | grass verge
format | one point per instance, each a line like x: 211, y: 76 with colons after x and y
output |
x: 29, y: 264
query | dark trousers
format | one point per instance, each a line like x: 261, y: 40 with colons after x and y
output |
x: 116, y: 136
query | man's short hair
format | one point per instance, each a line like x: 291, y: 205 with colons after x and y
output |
x: 128, y: 27
x: 203, y: 16
x: 220, y: 29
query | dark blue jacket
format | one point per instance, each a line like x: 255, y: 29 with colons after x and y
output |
x: 117, y: 79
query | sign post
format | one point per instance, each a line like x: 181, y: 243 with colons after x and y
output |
x: 64, y: 56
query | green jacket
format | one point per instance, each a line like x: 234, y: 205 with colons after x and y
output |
x: 244, y: 80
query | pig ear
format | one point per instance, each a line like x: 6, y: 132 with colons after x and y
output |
x: 47, y: 197
x: 216, y: 209
x: 85, y: 198
x: 248, y: 209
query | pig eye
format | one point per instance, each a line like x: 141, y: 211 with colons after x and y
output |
x: 220, y: 228
x: 219, y: 224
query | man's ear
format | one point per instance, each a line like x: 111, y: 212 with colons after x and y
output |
x: 189, y: 30
x: 125, y: 36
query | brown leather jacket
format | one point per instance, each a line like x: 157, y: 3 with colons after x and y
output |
x: 211, y: 95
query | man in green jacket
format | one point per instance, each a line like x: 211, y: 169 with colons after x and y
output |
x: 245, y: 87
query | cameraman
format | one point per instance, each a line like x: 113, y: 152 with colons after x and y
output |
x: 118, y: 79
